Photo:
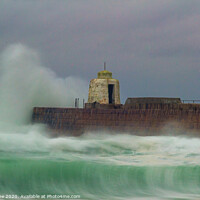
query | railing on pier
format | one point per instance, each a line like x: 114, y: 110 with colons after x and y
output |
x: 76, y: 103
x: 190, y: 101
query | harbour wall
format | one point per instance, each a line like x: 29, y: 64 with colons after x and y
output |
x: 140, y: 119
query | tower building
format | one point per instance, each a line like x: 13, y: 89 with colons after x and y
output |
x: 104, y: 89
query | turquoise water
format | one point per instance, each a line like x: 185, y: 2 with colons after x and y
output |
x: 93, y: 166
x: 99, y: 166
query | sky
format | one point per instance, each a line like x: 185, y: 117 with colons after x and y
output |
x: 151, y: 46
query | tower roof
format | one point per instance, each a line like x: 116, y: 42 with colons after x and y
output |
x: 104, y: 74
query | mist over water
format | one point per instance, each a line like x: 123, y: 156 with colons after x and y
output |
x: 25, y: 83
x: 95, y: 165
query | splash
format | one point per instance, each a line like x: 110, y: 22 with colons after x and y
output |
x: 25, y: 83
x: 94, y: 166
x: 100, y: 166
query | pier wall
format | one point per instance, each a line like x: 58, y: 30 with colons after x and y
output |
x: 141, y: 119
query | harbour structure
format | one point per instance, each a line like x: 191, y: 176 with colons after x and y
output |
x: 104, y: 111
x: 104, y: 89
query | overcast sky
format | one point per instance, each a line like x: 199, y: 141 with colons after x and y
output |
x: 151, y: 46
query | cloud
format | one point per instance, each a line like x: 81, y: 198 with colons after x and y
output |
x: 138, y: 39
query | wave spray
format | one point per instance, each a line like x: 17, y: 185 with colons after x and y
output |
x: 95, y: 165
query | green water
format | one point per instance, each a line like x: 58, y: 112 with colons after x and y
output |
x: 93, y: 166
x: 100, y: 166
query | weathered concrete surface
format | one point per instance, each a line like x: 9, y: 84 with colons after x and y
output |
x: 98, y: 91
x: 145, y: 120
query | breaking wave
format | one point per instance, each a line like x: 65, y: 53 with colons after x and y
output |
x: 25, y: 83
x: 100, y: 166
x: 95, y: 165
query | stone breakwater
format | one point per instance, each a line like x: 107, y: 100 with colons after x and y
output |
x: 140, y: 119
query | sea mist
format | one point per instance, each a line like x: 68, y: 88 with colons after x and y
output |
x: 25, y: 83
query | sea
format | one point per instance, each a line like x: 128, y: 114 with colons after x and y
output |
x: 97, y: 165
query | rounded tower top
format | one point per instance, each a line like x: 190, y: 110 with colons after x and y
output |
x: 104, y: 74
